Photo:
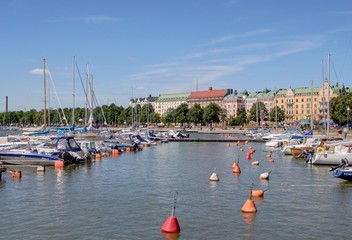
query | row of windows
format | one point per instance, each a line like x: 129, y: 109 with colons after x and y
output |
x: 302, y: 100
x: 302, y: 112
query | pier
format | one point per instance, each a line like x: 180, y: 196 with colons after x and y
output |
x: 213, y: 140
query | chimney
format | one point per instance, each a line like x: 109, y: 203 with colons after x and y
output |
x: 210, y: 89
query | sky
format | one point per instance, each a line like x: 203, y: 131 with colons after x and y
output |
x: 137, y: 48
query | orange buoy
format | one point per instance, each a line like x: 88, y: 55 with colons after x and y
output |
x: 128, y: 149
x: 59, y: 164
x: 257, y: 193
x: 246, y: 142
x: 249, y: 206
x: 236, y: 167
x: 107, y: 154
x: 248, y: 156
x: 268, y: 155
x: 228, y: 145
x: 271, y: 160
x: 171, y: 223
x: 97, y: 156
x: 115, y: 152
x: 16, y: 174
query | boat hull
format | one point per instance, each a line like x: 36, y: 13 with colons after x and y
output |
x: 297, y: 151
x: 10, y: 158
x: 345, y: 174
x: 330, y: 158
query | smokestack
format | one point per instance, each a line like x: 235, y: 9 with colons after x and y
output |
x: 7, y: 104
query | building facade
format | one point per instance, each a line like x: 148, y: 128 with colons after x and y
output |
x: 298, y: 103
x: 204, y: 98
x: 170, y: 101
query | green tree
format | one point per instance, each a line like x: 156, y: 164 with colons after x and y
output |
x: 195, y: 114
x: 181, y: 113
x: 278, y: 114
x: 154, y: 118
x: 212, y: 113
x: 241, y: 117
x: 258, y: 112
x: 339, y: 106
x: 146, y: 110
x: 170, y: 116
x: 125, y: 116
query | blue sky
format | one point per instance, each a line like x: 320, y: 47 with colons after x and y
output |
x: 140, y: 47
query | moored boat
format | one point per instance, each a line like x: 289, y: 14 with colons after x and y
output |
x: 62, y: 148
x: 29, y: 158
x: 332, y: 154
x: 341, y: 171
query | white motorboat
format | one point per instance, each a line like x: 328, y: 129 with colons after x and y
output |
x: 332, y: 155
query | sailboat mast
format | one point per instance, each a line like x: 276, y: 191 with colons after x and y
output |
x: 44, y: 79
x: 328, y: 103
x: 91, y: 98
x: 323, y: 100
x: 311, y: 107
x: 73, y: 90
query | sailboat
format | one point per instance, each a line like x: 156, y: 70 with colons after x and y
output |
x: 43, y: 130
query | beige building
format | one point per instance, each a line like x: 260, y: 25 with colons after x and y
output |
x: 232, y: 103
x: 169, y: 101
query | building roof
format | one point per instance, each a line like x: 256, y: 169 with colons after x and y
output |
x: 210, y: 93
x: 172, y: 97
x: 306, y: 90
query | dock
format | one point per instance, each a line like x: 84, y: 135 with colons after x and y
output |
x: 213, y: 140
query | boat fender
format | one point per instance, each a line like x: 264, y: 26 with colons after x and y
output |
x: 320, y: 150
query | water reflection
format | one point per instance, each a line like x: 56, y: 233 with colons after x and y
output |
x: 170, y: 236
x: 249, y: 219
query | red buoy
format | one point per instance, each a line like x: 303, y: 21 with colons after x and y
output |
x: 171, y: 224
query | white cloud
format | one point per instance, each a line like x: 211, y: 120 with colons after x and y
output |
x: 242, y: 35
x: 37, y: 71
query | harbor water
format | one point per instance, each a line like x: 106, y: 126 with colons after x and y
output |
x: 131, y: 195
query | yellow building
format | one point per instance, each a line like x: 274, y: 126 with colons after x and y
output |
x: 305, y: 103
